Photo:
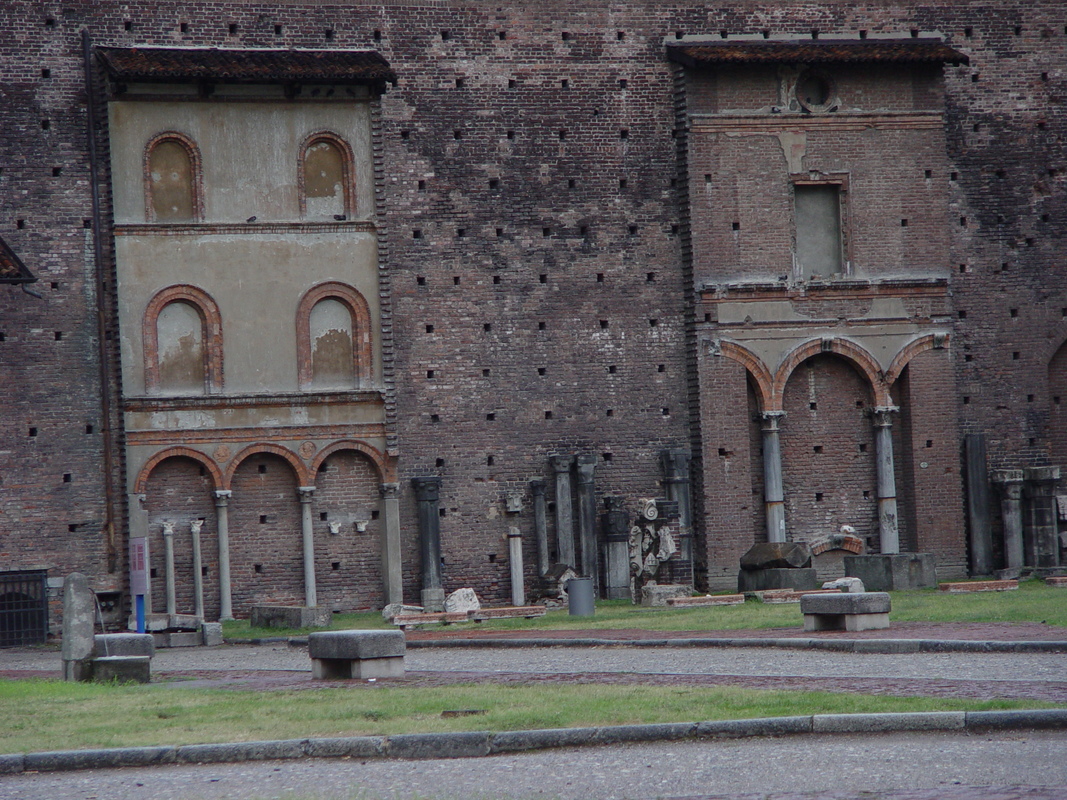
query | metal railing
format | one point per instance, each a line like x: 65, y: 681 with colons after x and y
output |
x: 23, y: 608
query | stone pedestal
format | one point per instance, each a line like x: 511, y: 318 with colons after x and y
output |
x: 1042, y: 546
x: 893, y: 572
x: 1010, y: 482
x: 654, y: 594
x: 343, y: 655
x: 757, y: 580
x: 77, y: 628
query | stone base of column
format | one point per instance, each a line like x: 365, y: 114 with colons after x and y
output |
x: 798, y: 579
x: 887, y: 573
x: 433, y: 600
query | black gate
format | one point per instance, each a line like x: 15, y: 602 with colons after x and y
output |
x: 23, y: 607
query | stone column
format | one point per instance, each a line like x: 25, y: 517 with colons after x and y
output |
x: 391, y: 572
x: 564, y: 513
x: 888, y: 525
x: 1011, y: 511
x: 198, y: 569
x: 773, y: 491
x: 537, y: 489
x: 168, y: 555
x: 675, y: 463
x: 222, y: 518
x: 427, y: 497
x: 1040, y: 537
x: 78, y: 628
x: 587, y: 519
x: 307, y: 534
x: 981, y: 536
x: 518, y: 592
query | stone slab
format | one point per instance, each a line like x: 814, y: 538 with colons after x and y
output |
x: 326, y: 669
x: 429, y: 618
x: 656, y: 595
x: 846, y: 603
x: 396, y: 609
x: 1056, y: 581
x: 123, y: 644
x: 508, y: 612
x: 879, y: 723
x: 152, y: 622
x: 177, y: 639
x: 353, y: 645
x: 122, y: 669
x: 291, y: 617
x: 889, y: 573
x: 757, y: 580
x: 708, y: 600
x: 966, y: 587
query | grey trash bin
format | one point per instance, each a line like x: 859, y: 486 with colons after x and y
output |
x: 580, y: 597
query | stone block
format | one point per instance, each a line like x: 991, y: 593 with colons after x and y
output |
x: 888, y: 573
x: 396, y: 609
x: 123, y: 669
x: 1056, y: 581
x: 845, y: 622
x: 123, y: 644
x: 433, y: 600
x: 757, y: 580
x: 211, y: 634
x: 462, y: 601
x: 291, y: 617
x: 657, y: 594
x: 340, y: 669
x: 177, y: 639
x: 152, y: 622
x: 356, y: 644
x: 777, y: 555
x: 845, y: 585
x: 508, y: 612
x: 183, y: 622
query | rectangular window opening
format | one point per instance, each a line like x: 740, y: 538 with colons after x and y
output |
x: 819, y: 247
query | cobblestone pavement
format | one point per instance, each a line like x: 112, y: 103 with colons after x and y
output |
x: 1016, y: 765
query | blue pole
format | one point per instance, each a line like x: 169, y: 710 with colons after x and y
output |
x: 140, y: 613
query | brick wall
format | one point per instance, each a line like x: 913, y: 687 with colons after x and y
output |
x: 1005, y: 185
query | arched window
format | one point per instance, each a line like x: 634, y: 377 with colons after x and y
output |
x: 333, y: 338
x: 326, y: 178
x: 182, y: 333
x: 172, y: 179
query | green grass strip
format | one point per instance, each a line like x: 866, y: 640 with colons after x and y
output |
x: 37, y: 715
x: 1033, y: 601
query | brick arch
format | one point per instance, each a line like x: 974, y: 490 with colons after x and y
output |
x: 386, y: 467
x: 361, y: 330
x: 179, y: 452
x: 931, y: 341
x: 211, y: 321
x: 757, y: 369
x: 857, y: 355
x: 196, y: 182
x: 303, y: 477
x: 348, y: 169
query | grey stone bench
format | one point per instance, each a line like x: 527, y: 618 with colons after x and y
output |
x: 291, y: 617
x: 123, y: 644
x: 860, y: 611
x: 123, y: 669
x: 341, y: 655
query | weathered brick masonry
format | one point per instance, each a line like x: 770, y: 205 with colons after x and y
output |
x: 548, y: 276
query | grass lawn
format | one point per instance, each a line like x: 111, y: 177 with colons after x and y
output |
x: 38, y: 715
x: 1034, y: 601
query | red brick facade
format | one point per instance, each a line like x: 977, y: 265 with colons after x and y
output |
x: 547, y: 239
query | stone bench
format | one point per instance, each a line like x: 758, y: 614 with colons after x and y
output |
x: 403, y: 621
x: 123, y: 644
x: 965, y: 587
x: 122, y: 669
x: 838, y: 611
x: 713, y: 600
x: 342, y: 655
x: 507, y: 612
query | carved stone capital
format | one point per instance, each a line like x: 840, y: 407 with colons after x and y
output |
x: 882, y: 417
x: 305, y: 493
x: 389, y: 491
x: 561, y: 463
x: 222, y: 497
x: 537, y: 488
x: 586, y: 467
x: 771, y: 420
x: 427, y: 489
x: 168, y: 528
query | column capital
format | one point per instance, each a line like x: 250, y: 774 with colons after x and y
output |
x: 222, y: 497
x: 389, y: 491
x: 427, y: 488
x: 561, y: 463
x: 586, y: 467
x: 537, y: 488
x: 881, y: 416
x: 771, y: 419
x: 168, y: 528
x: 305, y: 493
x: 1006, y: 476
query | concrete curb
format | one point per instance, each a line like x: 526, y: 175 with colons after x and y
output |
x: 483, y: 743
x: 891, y: 646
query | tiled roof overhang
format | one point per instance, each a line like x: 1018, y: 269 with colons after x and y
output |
x: 824, y: 51
x: 204, y: 65
x: 12, y: 270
